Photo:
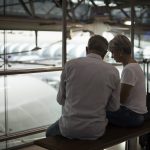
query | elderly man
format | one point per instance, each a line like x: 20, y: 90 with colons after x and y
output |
x: 88, y: 88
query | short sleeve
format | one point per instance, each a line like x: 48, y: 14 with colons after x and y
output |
x: 128, y: 76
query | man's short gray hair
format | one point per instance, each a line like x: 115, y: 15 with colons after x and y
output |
x: 98, y: 43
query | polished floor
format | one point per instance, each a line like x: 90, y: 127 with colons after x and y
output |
x: 116, y: 147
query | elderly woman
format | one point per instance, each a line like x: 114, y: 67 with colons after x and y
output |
x: 133, y: 92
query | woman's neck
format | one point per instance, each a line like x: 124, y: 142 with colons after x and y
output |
x: 128, y: 60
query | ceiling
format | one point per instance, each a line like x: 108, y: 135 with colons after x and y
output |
x: 47, y: 14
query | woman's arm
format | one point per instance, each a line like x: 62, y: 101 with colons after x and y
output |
x: 125, y: 92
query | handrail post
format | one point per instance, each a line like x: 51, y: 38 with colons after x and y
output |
x: 64, y: 31
x: 132, y: 25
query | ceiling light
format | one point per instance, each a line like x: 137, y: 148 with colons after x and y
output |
x: 127, y: 23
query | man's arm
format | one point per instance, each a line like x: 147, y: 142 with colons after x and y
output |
x: 114, y: 100
x: 61, y: 96
x: 125, y: 92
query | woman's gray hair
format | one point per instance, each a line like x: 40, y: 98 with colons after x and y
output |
x: 121, y: 43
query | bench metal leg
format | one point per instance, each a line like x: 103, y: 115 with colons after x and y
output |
x: 131, y: 144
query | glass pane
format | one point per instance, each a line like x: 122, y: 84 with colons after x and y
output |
x: 51, y: 48
x: 143, y: 44
x: 3, y: 145
x: 76, y: 44
x: 2, y: 47
x: 142, y: 37
x: 45, y: 9
x: 14, y: 7
x: 2, y: 105
x: 32, y: 100
x: 32, y: 49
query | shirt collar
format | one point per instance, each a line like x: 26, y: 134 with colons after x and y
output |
x: 93, y: 55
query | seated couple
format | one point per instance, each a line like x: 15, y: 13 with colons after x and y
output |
x: 92, y: 94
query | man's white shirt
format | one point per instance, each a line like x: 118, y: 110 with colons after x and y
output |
x: 89, y: 87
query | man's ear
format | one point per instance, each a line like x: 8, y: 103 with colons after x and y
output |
x: 87, y: 50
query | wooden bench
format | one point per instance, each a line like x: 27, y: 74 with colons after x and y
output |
x: 114, y: 135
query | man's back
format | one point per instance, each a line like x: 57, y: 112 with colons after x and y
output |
x: 91, y: 87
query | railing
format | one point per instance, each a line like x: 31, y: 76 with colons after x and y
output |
x: 32, y: 131
x: 26, y: 71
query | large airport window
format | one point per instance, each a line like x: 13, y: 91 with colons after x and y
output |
x: 31, y: 49
x: 28, y: 101
x: 38, y: 37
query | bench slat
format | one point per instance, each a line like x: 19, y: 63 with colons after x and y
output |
x: 114, y: 135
